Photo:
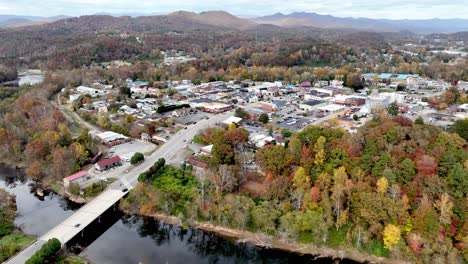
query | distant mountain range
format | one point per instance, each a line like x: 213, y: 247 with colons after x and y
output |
x: 294, y: 20
x: 18, y: 21
x: 426, y: 26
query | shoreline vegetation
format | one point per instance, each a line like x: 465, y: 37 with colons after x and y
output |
x: 265, y: 241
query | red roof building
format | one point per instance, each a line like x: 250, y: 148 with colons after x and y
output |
x: 75, y: 178
x: 106, y: 164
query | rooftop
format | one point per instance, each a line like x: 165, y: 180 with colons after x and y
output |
x: 109, y: 161
x: 76, y: 176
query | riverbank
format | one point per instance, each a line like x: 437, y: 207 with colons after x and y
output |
x: 264, y: 241
x: 14, y: 243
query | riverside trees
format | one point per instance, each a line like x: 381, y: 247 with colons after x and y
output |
x: 390, y: 189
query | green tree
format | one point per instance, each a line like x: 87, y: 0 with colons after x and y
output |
x: 263, y: 118
x: 406, y: 172
x: 458, y: 181
x: 286, y: 133
x: 264, y: 216
x: 419, y: 121
x: 240, y: 112
x: 461, y: 128
x: 393, y: 109
x: 137, y: 158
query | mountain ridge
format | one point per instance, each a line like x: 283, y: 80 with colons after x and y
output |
x: 421, y: 26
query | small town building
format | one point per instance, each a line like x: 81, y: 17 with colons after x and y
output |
x: 108, y: 163
x: 145, y: 137
x: 110, y: 138
x: 214, y: 107
x: 332, y: 108
x: 268, y: 106
x: 463, y: 108
x: 310, y: 105
x: 233, y: 119
x: 91, y: 91
x: 207, y: 150
x: 75, y: 178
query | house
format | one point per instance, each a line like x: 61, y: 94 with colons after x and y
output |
x: 75, y: 178
x: 199, y: 165
x: 232, y: 119
x: 108, y: 163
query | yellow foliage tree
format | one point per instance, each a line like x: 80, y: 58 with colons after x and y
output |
x: 382, y: 185
x: 391, y: 236
x: 232, y: 126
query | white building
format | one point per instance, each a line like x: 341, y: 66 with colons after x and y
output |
x: 91, y: 91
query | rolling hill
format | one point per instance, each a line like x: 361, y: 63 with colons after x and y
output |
x: 380, y: 25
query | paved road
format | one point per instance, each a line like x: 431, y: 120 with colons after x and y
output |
x: 69, y: 228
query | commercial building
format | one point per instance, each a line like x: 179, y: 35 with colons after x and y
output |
x: 75, y: 178
x: 91, y: 91
x: 214, y: 107
x: 332, y: 108
x: 110, y: 138
x: 232, y: 119
x: 310, y: 105
x: 108, y: 163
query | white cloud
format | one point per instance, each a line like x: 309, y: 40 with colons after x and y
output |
x: 396, y: 9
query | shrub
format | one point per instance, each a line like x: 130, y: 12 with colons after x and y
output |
x: 50, y: 248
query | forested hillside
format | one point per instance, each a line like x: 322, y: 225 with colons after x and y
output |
x: 394, y: 189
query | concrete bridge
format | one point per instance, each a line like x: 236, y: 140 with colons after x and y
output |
x: 72, y: 226
x: 99, y: 205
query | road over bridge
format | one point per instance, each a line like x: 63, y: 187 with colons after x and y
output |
x: 95, y: 208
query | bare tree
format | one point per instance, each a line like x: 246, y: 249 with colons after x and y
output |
x: 222, y: 178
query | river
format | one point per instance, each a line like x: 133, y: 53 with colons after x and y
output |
x: 121, y: 239
x: 30, y: 77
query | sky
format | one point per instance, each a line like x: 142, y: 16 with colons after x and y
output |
x: 389, y: 9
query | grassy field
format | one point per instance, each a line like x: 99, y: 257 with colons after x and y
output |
x: 13, y: 243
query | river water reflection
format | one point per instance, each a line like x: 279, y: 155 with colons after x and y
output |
x: 121, y: 239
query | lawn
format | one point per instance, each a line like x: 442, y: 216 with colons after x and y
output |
x: 13, y: 243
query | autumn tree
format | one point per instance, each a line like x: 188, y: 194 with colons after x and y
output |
x: 338, y: 193
x: 425, y: 219
x: 391, y: 235
x: 382, y: 185
x: 444, y: 206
